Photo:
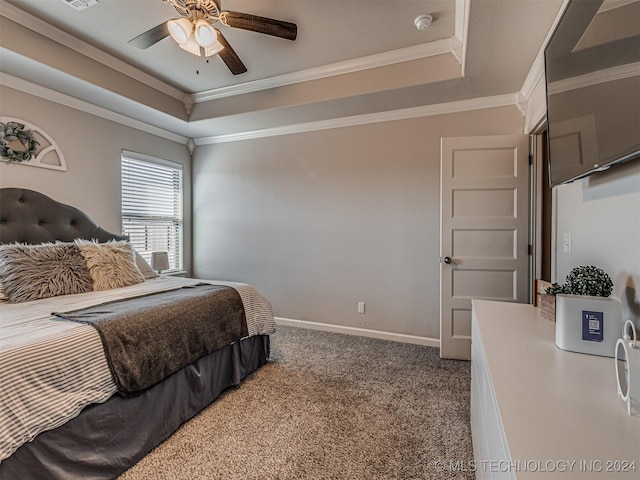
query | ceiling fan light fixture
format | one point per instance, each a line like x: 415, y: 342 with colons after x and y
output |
x: 191, y: 46
x: 208, y: 51
x: 180, y: 30
x: 206, y: 35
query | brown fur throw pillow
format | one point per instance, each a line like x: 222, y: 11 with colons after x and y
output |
x: 32, y: 272
x: 111, y: 264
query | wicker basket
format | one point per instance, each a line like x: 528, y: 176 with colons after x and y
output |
x: 548, y: 307
x: 547, y: 303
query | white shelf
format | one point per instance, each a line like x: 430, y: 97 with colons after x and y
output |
x: 537, y: 408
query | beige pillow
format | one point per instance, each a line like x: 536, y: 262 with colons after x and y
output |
x: 144, y: 267
x: 111, y: 264
x: 32, y: 272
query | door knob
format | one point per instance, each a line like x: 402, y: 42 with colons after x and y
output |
x: 447, y: 260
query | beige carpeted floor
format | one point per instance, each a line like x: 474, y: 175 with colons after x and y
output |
x: 329, y: 406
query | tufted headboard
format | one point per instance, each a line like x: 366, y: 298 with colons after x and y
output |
x: 31, y: 217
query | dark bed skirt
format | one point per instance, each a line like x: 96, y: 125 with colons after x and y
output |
x: 108, y: 438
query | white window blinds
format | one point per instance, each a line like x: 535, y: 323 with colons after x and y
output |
x: 152, y: 207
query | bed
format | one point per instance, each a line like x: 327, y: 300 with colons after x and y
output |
x: 68, y: 406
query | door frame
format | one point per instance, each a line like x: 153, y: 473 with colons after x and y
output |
x: 541, y: 207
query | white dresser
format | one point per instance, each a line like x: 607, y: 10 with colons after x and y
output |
x: 538, y: 412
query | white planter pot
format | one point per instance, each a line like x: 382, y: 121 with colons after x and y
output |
x: 587, y: 324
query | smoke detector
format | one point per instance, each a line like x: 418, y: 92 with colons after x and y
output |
x: 423, y: 22
x: 80, y: 4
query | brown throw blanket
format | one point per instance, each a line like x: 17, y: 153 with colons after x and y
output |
x: 151, y: 337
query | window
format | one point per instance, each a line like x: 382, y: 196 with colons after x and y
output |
x: 152, y: 206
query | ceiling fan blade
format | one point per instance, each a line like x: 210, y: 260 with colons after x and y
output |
x: 230, y: 57
x: 268, y: 26
x: 150, y: 37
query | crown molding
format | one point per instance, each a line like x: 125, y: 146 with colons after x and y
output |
x: 536, y: 72
x: 389, y: 116
x: 77, y: 104
x: 415, y: 52
x: 43, y: 28
x: 455, y: 45
x: 461, y: 29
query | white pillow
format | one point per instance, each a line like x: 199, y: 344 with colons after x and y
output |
x: 144, y: 267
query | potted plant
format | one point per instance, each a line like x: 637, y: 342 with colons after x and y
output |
x: 584, y: 280
x: 587, y: 320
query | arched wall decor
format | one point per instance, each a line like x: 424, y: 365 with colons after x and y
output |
x: 47, y: 155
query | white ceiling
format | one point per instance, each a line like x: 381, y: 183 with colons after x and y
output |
x: 329, y: 31
x: 502, y: 39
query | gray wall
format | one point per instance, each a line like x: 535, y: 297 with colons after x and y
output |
x: 92, y: 148
x: 602, y: 213
x: 320, y: 221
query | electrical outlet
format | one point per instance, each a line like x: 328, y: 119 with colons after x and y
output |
x: 360, y: 307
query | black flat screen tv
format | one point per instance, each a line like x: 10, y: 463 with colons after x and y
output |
x: 592, y: 68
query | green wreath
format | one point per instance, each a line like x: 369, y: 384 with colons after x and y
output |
x: 12, y: 131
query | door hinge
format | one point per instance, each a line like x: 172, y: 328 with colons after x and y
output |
x: 530, y: 159
x: 530, y: 249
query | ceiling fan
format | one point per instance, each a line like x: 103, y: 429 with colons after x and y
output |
x: 194, y: 31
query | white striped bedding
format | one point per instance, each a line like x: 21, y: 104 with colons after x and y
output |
x: 51, y: 369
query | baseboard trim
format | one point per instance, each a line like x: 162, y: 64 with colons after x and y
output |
x: 363, y: 332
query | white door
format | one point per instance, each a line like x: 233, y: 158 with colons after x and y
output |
x: 484, y: 230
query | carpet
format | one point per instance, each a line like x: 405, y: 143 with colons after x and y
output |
x: 329, y: 406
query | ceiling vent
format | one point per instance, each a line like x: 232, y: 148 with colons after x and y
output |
x: 80, y: 4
